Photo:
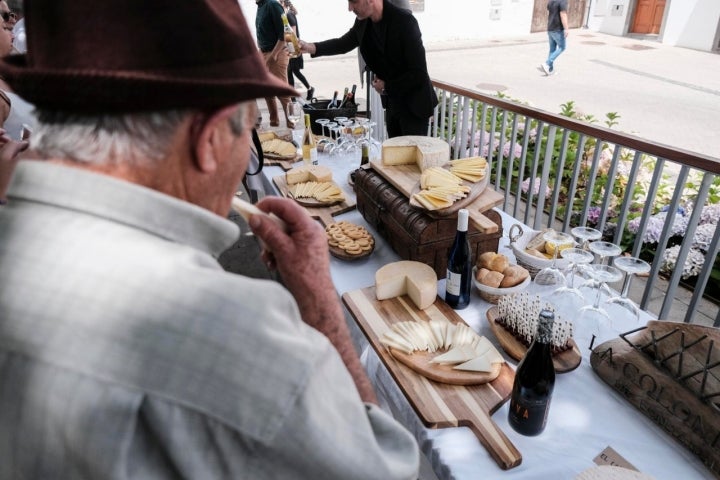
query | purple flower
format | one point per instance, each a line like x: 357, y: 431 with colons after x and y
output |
x: 536, y: 187
x: 593, y: 215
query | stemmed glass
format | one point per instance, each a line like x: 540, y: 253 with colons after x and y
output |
x: 586, y: 234
x: 631, y: 266
x: 295, y: 112
x: 593, y: 321
x: 550, y: 278
x: 603, y: 250
x: 323, y: 123
x: 567, y: 298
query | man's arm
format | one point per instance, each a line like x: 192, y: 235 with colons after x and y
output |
x: 564, y: 20
x: 334, y: 46
x: 302, y: 259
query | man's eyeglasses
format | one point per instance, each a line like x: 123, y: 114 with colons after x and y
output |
x: 7, y: 16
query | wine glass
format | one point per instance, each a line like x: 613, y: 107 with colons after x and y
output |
x: 593, y: 321
x: 603, y: 250
x: 585, y: 234
x: 323, y: 123
x: 550, y: 278
x: 631, y: 266
x: 568, y: 299
x: 294, y: 112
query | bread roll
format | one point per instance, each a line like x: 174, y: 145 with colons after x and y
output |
x: 484, y: 260
x: 492, y: 279
x: 493, y: 261
x: 513, y: 275
x: 481, y: 274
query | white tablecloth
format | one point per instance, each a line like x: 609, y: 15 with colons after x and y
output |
x: 586, y: 415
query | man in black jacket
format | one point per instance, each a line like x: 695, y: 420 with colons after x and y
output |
x: 391, y: 44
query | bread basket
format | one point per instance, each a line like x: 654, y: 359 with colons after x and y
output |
x: 519, y: 238
x: 492, y: 295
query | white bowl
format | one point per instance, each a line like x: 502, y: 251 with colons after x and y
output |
x: 492, y: 295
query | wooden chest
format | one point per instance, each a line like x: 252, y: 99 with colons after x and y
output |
x: 413, y: 234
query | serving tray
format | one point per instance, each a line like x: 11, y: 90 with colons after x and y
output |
x: 439, y: 405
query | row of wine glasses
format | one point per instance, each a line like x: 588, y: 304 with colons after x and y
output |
x: 593, y: 320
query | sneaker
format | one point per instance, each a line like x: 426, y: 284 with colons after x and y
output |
x: 310, y: 93
x: 546, y: 69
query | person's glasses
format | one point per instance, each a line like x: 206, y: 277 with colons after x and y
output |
x: 7, y: 16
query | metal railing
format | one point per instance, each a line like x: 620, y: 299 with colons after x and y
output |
x: 558, y: 171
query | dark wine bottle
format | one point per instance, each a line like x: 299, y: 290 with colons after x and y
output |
x: 534, y: 382
x: 334, y: 103
x: 459, y: 267
x: 349, y: 98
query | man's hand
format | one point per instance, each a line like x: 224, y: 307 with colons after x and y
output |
x: 379, y: 85
x: 9, y: 156
x: 300, y: 255
x: 307, y: 48
x: 280, y: 49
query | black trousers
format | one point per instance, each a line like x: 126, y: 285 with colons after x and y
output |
x: 399, y: 121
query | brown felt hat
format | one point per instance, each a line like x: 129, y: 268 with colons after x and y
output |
x: 137, y: 55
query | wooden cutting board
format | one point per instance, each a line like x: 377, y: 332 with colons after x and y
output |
x: 406, y: 177
x: 438, y: 405
x: 324, y: 214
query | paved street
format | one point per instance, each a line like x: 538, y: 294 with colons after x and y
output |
x: 667, y: 94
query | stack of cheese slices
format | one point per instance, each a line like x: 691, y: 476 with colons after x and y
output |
x: 466, y: 350
x: 313, y: 181
x: 324, y: 192
x: 472, y: 169
x: 440, y: 188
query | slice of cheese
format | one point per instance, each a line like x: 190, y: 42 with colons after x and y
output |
x: 477, y: 364
x: 460, y: 354
x: 308, y: 173
x: 407, y: 277
x: 425, y: 152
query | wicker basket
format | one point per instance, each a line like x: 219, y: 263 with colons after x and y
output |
x: 492, y: 295
x: 519, y: 239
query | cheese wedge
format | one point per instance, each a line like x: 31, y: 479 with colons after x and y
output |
x: 407, y: 277
x: 425, y: 152
x: 460, y: 354
x: 477, y: 364
x: 308, y: 173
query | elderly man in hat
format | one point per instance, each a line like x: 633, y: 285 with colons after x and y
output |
x: 125, y: 350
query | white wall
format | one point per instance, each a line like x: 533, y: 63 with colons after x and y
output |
x: 692, y: 23
x: 441, y: 19
x: 609, y: 16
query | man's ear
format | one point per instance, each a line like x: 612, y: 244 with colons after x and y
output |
x: 209, y: 134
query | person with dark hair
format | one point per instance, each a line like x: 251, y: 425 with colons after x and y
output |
x: 271, y: 41
x: 557, y: 33
x: 297, y: 63
x: 126, y: 351
x: 390, y: 42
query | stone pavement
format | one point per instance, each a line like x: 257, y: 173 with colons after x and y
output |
x: 666, y: 94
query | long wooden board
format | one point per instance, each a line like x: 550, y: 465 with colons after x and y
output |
x: 325, y: 214
x: 438, y: 405
x: 406, y: 177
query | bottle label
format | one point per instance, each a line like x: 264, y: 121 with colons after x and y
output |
x: 314, y: 156
x: 291, y: 48
x: 525, y: 411
x: 453, y: 283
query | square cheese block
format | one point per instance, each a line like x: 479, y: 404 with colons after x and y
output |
x: 308, y: 173
x: 407, y: 277
x: 425, y: 152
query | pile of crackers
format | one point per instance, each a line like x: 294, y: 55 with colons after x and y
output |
x: 352, y: 239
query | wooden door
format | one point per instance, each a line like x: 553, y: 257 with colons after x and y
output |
x: 648, y: 17
x: 576, y: 15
